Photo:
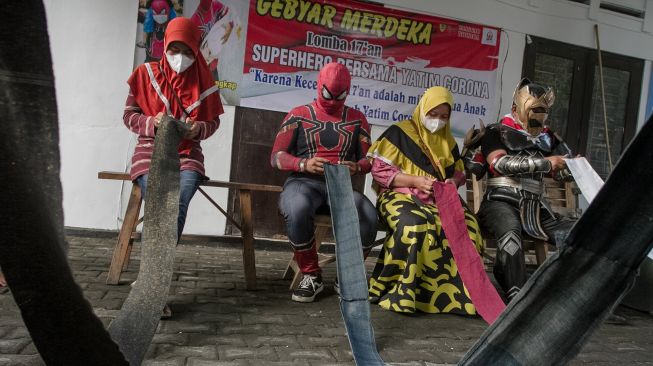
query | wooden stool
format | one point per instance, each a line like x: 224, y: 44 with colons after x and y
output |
x: 322, y: 225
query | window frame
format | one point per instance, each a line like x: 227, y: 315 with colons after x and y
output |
x: 585, y: 62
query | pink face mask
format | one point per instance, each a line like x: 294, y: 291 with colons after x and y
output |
x: 332, y: 87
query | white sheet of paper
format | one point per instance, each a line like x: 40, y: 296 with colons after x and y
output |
x: 586, y: 178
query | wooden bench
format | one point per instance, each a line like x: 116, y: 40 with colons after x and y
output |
x: 562, y: 197
x: 122, y: 251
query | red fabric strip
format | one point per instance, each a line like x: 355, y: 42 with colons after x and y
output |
x: 483, y: 294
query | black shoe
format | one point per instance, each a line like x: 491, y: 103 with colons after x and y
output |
x: 309, y: 288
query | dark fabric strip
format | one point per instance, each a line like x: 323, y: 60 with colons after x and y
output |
x: 569, y: 296
x: 60, y: 321
x: 134, y: 327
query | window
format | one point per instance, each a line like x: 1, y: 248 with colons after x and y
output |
x: 577, y: 115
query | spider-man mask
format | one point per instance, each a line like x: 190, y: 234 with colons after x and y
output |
x: 332, y: 87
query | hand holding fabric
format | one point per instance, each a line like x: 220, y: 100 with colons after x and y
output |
x: 157, y: 119
x: 353, y: 167
x: 194, y: 129
x: 315, y: 165
x: 425, y: 184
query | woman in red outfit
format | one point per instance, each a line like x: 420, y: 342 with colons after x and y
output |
x: 179, y: 85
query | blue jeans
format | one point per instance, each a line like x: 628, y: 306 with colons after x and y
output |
x: 301, y: 199
x: 189, y: 181
x: 354, y: 304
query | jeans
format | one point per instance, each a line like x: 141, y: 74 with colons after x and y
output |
x: 301, y: 199
x: 189, y: 181
x: 354, y: 304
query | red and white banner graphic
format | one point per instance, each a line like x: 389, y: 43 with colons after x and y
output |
x: 393, y: 57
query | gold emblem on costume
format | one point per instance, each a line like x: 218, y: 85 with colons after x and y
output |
x: 443, y: 27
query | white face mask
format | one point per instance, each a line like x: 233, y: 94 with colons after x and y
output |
x: 179, y: 62
x: 433, y: 124
x: 160, y: 18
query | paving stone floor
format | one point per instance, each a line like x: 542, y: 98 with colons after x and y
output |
x: 217, y: 322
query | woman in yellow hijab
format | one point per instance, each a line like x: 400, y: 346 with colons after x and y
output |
x: 416, y: 269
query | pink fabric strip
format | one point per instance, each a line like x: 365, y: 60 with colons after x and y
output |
x: 483, y: 294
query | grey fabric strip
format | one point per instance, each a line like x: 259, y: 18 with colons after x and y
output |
x: 134, y: 327
x: 573, y: 292
x: 354, y: 303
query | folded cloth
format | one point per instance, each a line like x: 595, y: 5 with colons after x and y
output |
x: 487, y: 301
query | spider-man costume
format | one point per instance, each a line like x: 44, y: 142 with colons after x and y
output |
x: 325, y: 128
x: 328, y: 129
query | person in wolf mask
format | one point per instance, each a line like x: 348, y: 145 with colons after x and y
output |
x: 517, y: 153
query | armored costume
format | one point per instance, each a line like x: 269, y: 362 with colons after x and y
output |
x: 513, y: 202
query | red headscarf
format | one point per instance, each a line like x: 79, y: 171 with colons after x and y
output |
x: 188, y: 85
x: 336, y: 78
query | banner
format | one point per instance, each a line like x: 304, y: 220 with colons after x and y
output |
x: 267, y: 54
x: 222, y: 24
x: 153, y: 18
x: 393, y: 57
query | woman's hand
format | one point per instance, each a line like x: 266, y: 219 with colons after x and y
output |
x: 353, y: 167
x: 157, y: 119
x: 424, y: 184
x: 315, y: 165
x: 194, y: 129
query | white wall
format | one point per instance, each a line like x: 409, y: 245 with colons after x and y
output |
x: 92, y: 44
x: 92, y: 59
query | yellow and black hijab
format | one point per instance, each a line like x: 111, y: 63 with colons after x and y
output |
x: 412, y: 148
